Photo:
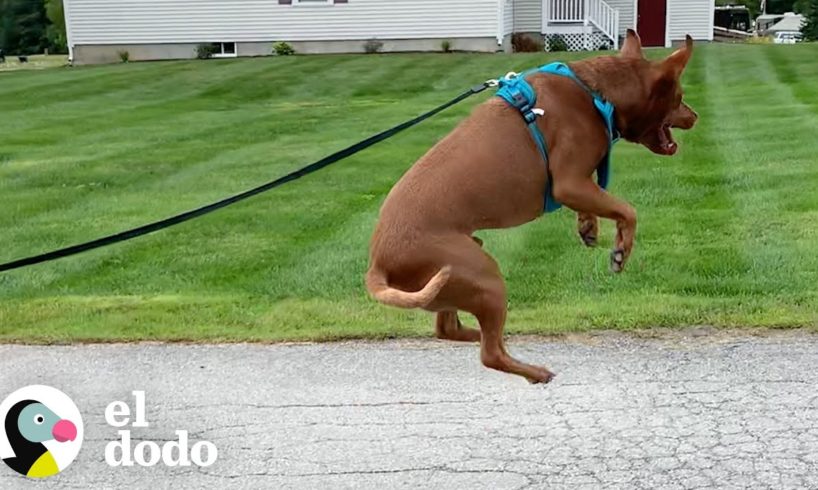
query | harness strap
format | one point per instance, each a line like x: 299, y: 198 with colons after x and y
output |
x: 518, y: 93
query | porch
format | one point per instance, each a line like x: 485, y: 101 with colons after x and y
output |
x: 581, y: 24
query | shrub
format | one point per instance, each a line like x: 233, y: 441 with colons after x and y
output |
x: 206, y: 51
x: 283, y: 49
x: 446, y: 46
x: 557, y: 43
x: 523, y: 43
x: 373, y: 46
x: 124, y: 56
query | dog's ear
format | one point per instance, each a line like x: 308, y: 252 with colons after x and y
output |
x: 632, y: 47
x: 675, y: 64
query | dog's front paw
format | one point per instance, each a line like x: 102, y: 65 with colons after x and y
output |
x: 617, y: 260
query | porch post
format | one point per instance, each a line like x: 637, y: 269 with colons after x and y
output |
x: 501, y: 35
x: 586, y: 26
x: 616, y: 29
x: 546, y: 16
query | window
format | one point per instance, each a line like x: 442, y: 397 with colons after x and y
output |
x: 224, y: 50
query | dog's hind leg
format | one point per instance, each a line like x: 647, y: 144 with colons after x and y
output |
x: 448, y: 327
x: 588, y: 228
x: 491, y: 313
x: 477, y: 286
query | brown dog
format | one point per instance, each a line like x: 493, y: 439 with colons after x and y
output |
x: 488, y: 174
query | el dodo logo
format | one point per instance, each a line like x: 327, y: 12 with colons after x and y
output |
x: 41, y: 432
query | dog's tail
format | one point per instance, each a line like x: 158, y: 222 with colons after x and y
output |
x: 378, y: 287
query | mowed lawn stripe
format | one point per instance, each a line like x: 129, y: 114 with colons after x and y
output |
x: 705, y: 259
x: 128, y: 112
x: 143, y: 116
x: 105, y: 161
x: 776, y: 184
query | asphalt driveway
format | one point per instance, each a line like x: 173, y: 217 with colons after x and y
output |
x: 683, y: 411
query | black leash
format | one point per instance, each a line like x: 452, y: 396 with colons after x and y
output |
x: 195, y: 213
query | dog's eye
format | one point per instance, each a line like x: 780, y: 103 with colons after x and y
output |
x: 39, y: 419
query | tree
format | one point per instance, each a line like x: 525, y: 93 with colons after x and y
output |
x: 23, y: 26
x: 55, y: 32
x: 801, y: 6
x: 810, y: 27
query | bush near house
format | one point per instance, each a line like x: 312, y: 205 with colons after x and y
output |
x: 557, y: 43
x: 283, y: 49
x: 206, y: 51
x: 524, y: 43
x: 373, y: 46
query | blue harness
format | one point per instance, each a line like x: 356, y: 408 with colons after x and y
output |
x: 519, y: 94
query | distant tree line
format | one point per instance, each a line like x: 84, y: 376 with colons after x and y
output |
x: 810, y: 27
x: 32, y: 26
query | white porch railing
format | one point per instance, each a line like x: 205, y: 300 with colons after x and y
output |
x: 596, y: 12
x: 566, y: 11
x: 605, y: 18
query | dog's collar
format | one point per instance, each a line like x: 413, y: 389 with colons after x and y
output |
x: 518, y: 93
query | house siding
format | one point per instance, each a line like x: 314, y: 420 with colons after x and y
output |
x: 694, y: 17
x: 119, y: 22
x: 507, y: 7
x: 528, y: 16
x: 627, y: 14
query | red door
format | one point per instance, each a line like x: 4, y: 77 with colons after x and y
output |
x: 652, y: 15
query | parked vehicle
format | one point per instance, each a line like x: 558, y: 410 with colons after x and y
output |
x: 733, y: 17
x: 787, y: 37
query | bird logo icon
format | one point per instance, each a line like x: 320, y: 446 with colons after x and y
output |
x: 42, y: 431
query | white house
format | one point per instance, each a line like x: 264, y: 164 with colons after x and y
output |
x: 170, y: 29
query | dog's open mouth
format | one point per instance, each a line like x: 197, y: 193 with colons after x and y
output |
x: 667, y: 145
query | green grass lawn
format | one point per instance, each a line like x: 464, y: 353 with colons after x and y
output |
x: 728, y: 230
